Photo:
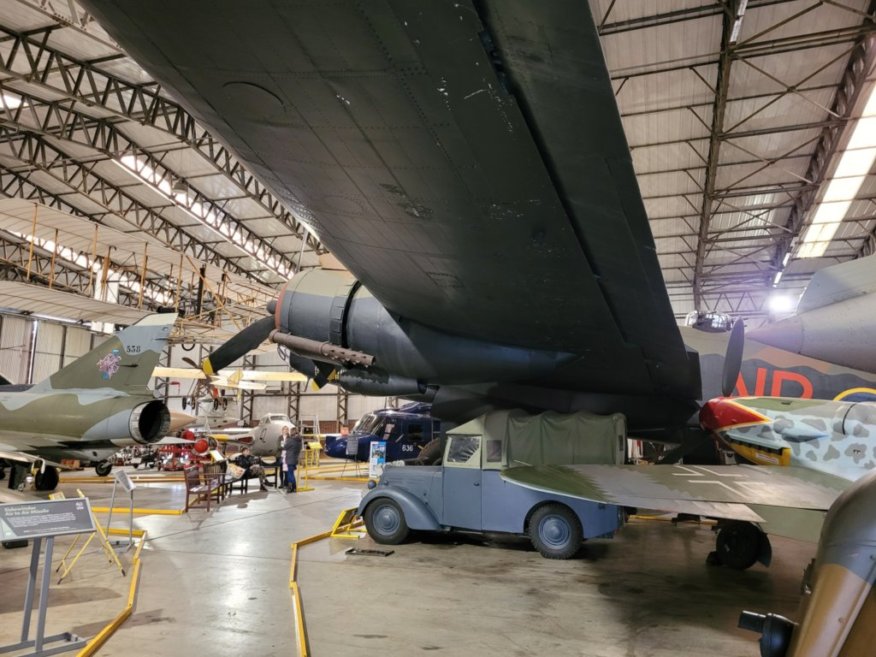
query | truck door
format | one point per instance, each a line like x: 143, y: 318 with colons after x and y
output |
x: 462, y: 482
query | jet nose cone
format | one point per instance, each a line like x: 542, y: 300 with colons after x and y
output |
x: 722, y: 413
x: 179, y: 420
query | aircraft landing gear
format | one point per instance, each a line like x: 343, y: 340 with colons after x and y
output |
x: 776, y: 632
x: 46, y: 479
x: 103, y: 468
x: 739, y: 545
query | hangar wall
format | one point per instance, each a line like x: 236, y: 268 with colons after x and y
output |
x: 56, y: 345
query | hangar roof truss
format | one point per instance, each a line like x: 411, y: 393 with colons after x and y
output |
x: 735, y: 112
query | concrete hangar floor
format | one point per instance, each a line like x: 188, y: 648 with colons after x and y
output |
x: 217, y: 583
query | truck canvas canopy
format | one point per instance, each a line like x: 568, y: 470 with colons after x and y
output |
x: 512, y: 438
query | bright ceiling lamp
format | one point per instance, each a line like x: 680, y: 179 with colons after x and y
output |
x: 854, y: 165
x: 9, y: 101
x: 781, y: 303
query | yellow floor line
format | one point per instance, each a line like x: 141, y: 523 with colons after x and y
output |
x: 363, y: 480
x: 139, y: 512
x: 300, y: 627
x: 101, y: 637
x: 110, y: 480
x: 671, y: 518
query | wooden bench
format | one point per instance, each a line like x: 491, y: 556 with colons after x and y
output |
x: 214, y: 475
x: 199, y: 492
x: 271, y: 479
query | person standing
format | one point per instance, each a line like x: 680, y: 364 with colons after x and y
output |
x: 290, y: 447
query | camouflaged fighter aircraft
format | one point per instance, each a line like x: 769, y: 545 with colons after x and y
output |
x: 824, y: 447
x: 90, y: 408
x: 484, y: 202
x: 837, y: 614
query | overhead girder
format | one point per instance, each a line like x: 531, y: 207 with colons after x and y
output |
x: 19, y: 263
x: 59, y: 119
x: 30, y: 59
x: 814, y: 41
x: 670, y: 17
x: 36, y: 152
x: 860, y: 63
x: 717, y: 128
x: 801, y: 192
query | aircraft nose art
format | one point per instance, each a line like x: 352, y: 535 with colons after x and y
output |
x: 721, y: 413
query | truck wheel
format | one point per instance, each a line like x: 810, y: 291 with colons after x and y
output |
x: 103, y: 468
x: 738, y: 544
x: 385, y: 522
x: 555, y: 531
x: 47, y: 479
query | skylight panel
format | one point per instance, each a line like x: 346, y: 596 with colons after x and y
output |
x: 842, y: 188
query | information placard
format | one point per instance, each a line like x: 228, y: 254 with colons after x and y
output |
x: 377, y: 458
x: 124, y: 480
x: 45, y: 518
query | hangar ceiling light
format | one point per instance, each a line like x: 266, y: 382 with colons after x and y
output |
x: 178, y: 194
x: 781, y: 303
x: 843, y: 186
x: 9, y: 101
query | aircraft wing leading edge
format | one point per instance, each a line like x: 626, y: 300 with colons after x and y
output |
x: 788, y: 501
x: 466, y: 162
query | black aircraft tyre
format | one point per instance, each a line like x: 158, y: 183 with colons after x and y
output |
x: 555, y: 531
x: 385, y: 522
x: 738, y: 545
x: 103, y: 468
x: 46, y: 479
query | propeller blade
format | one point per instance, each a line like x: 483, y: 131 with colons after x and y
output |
x: 733, y: 358
x: 190, y: 362
x: 324, y: 372
x: 245, y: 341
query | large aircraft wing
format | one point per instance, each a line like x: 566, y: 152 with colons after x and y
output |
x: 465, y: 161
x: 11, y: 453
x: 788, y: 501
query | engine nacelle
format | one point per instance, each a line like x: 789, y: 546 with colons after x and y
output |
x: 379, y: 384
x: 145, y: 423
x: 332, y: 307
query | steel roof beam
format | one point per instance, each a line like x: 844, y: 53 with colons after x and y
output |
x: 60, y: 120
x: 732, y: 99
x: 717, y: 127
x: 30, y: 59
x: 16, y: 260
x: 42, y: 156
x: 860, y: 64
x: 776, y: 47
x: 677, y: 16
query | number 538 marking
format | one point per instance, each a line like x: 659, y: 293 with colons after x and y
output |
x: 132, y: 349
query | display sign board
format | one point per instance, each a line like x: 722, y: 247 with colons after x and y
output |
x: 45, y: 518
x: 124, y: 480
x: 377, y: 458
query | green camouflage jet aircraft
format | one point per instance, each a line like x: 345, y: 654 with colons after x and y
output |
x: 92, y: 407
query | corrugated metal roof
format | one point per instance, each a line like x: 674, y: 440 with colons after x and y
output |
x: 731, y: 143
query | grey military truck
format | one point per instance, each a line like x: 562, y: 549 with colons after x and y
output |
x: 466, y: 492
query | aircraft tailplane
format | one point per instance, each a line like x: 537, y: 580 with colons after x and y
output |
x: 839, y: 283
x: 124, y: 362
